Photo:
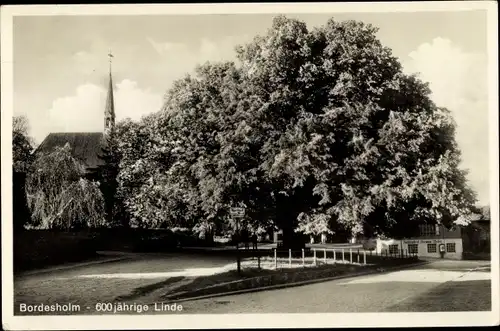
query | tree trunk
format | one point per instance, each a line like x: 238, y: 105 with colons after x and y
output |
x: 209, y: 237
x: 287, y: 222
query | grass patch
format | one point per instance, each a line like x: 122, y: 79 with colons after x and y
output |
x: 230, y: 276
x: 143, y: 290
x: 255, y: 278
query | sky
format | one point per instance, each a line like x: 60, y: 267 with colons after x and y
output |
x: 61, y: 65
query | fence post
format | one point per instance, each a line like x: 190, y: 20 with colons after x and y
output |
x: 364, y: 257
x: 303, y: 258
x: 350, y: 255
x: 334, y: 255
x: 358, y: 256
x: 314, y: 257
x: 290, y: 257
x: 324, y: 255
x: 275, y: 259
x: 343, y: 257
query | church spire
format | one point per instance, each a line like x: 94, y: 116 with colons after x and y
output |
x: 109, y: 112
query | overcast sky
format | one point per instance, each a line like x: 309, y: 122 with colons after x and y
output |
x: 60, y: 65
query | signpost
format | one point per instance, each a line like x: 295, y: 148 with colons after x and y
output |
x: 237, y: 213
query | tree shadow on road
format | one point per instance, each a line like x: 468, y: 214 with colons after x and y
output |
x: 144, y: 290
x: 455, y: 296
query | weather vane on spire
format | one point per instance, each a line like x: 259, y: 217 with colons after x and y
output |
x: 110, y: 55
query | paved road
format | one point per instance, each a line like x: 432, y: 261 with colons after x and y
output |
x: 135, y: 279
x: 438, y: 286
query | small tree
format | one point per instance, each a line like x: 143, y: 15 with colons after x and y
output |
x: 22, y: 144
x: 22, y: 149
x: 59, y: 196
x: 485, y: 213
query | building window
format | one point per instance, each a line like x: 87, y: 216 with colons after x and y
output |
x: 393, y: 249
x: 413, y: 248
x: 450, y: 248
x: 427, y: 230
x: 431, y: 248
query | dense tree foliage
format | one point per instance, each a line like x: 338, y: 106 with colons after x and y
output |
x: 22, y: 144
x: 59, y: 196
x: 313, y: 131
x: 486, y: 213
x: 116, y: 214
x: 22, y: 149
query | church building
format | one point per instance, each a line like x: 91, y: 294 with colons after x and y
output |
x: 85, y: 146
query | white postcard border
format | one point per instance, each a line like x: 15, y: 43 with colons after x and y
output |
x: 185, y: 321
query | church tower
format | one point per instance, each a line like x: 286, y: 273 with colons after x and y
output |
x: 109, y: 112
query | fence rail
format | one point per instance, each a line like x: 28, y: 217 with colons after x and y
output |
x: 312, y: 257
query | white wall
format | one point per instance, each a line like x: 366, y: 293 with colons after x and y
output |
x: 383, y: 246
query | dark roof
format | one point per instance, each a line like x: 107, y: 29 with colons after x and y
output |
x: 85, y: 146
x: 483, y: 220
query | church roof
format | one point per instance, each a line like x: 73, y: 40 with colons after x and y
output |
x: 85, y: 146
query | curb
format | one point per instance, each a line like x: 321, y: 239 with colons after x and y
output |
x: 305, y: 282
x: 72, y: 266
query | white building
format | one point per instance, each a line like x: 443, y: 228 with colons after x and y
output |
x: 434, y: 242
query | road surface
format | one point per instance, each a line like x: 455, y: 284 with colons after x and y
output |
x: 438, y: 286
x: 137, y: 278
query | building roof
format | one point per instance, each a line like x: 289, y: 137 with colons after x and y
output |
x: 85, y: 146
x: 481, y: 220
